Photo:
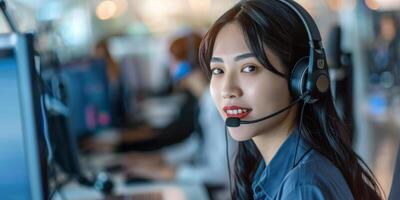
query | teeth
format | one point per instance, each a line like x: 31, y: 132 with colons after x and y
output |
x: 235, y: 112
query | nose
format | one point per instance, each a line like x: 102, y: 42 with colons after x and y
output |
x: 231, y: 88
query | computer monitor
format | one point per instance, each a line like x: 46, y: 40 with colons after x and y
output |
x: 87, y: 98
x: 68, y: 93
x: 22, y: 159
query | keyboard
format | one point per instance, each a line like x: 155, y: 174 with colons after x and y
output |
x: 138, y: 196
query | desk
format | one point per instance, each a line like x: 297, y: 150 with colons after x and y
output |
x: 169, y: 190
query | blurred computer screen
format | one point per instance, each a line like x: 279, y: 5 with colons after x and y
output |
x: 22, y: 161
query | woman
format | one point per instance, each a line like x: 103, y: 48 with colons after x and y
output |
x: 302, y: 153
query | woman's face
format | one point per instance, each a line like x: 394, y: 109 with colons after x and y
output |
x: 242, y: 87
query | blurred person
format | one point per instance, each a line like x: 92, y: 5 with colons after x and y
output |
x: 383, y: 94
x: 385, y: 53
x: 116, y: 85
x: 200, y: 159
x: 102, y: 51
x: 141, y: 137
x: 267, y: 57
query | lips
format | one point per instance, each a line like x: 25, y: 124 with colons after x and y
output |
x: 236, y: 111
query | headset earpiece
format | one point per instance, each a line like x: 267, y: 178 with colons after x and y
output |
x: 315, y: 86
x: 298, y: 77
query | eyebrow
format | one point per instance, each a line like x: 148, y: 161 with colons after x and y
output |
x: 217, y: 59
x: 236, y: 58
x: 243, y: 56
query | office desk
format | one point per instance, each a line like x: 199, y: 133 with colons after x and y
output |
x: 169, y: 190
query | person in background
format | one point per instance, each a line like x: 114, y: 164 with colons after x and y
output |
x: 201, y: 158
x: 385, y: 69
x: 116, y: 86
x: 141, y: 136
x: 102, y: 51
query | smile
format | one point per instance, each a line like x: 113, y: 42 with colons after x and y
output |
x: 236, y: 111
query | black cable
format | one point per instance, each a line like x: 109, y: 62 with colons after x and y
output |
x: 306, y: 100
x: 227, y: 160
x: 44, y: 90
x: 57, y: 184
x: 9, y: 19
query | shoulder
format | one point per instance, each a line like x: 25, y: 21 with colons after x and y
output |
x: 315, y: 177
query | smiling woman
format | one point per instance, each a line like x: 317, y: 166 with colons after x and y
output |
x: 264, y: 56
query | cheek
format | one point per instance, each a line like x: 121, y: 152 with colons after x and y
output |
x: 215, y: 92
x: 269, y: 94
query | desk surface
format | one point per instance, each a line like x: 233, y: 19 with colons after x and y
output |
x: 170, y: 191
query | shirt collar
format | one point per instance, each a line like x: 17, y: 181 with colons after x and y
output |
x: 267, y: 179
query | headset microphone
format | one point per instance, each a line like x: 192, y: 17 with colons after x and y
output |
x: 235, y: 121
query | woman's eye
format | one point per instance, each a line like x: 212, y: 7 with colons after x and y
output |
x: 216, y: 71
x: 249, y: 68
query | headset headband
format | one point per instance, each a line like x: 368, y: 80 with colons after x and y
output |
x: 309, y: 76
x: 311, y: 27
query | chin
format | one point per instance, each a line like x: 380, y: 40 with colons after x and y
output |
x: 241, y: 133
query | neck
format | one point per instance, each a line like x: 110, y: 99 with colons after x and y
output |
x: 268, y: 143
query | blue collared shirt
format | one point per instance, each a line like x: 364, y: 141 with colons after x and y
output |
x: 310, y: 177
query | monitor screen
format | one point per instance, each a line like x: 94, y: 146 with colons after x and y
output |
x: 15, y: 183
x: 20, y: 163
x: 87, y: 96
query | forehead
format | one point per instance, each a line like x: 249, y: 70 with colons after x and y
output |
x: 230, y: 40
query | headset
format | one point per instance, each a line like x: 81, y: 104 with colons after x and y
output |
x: 181, y: 70
x: 309, y: 77
x: 184, y: 67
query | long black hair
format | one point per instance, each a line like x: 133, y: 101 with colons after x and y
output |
x: 270, y: 23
